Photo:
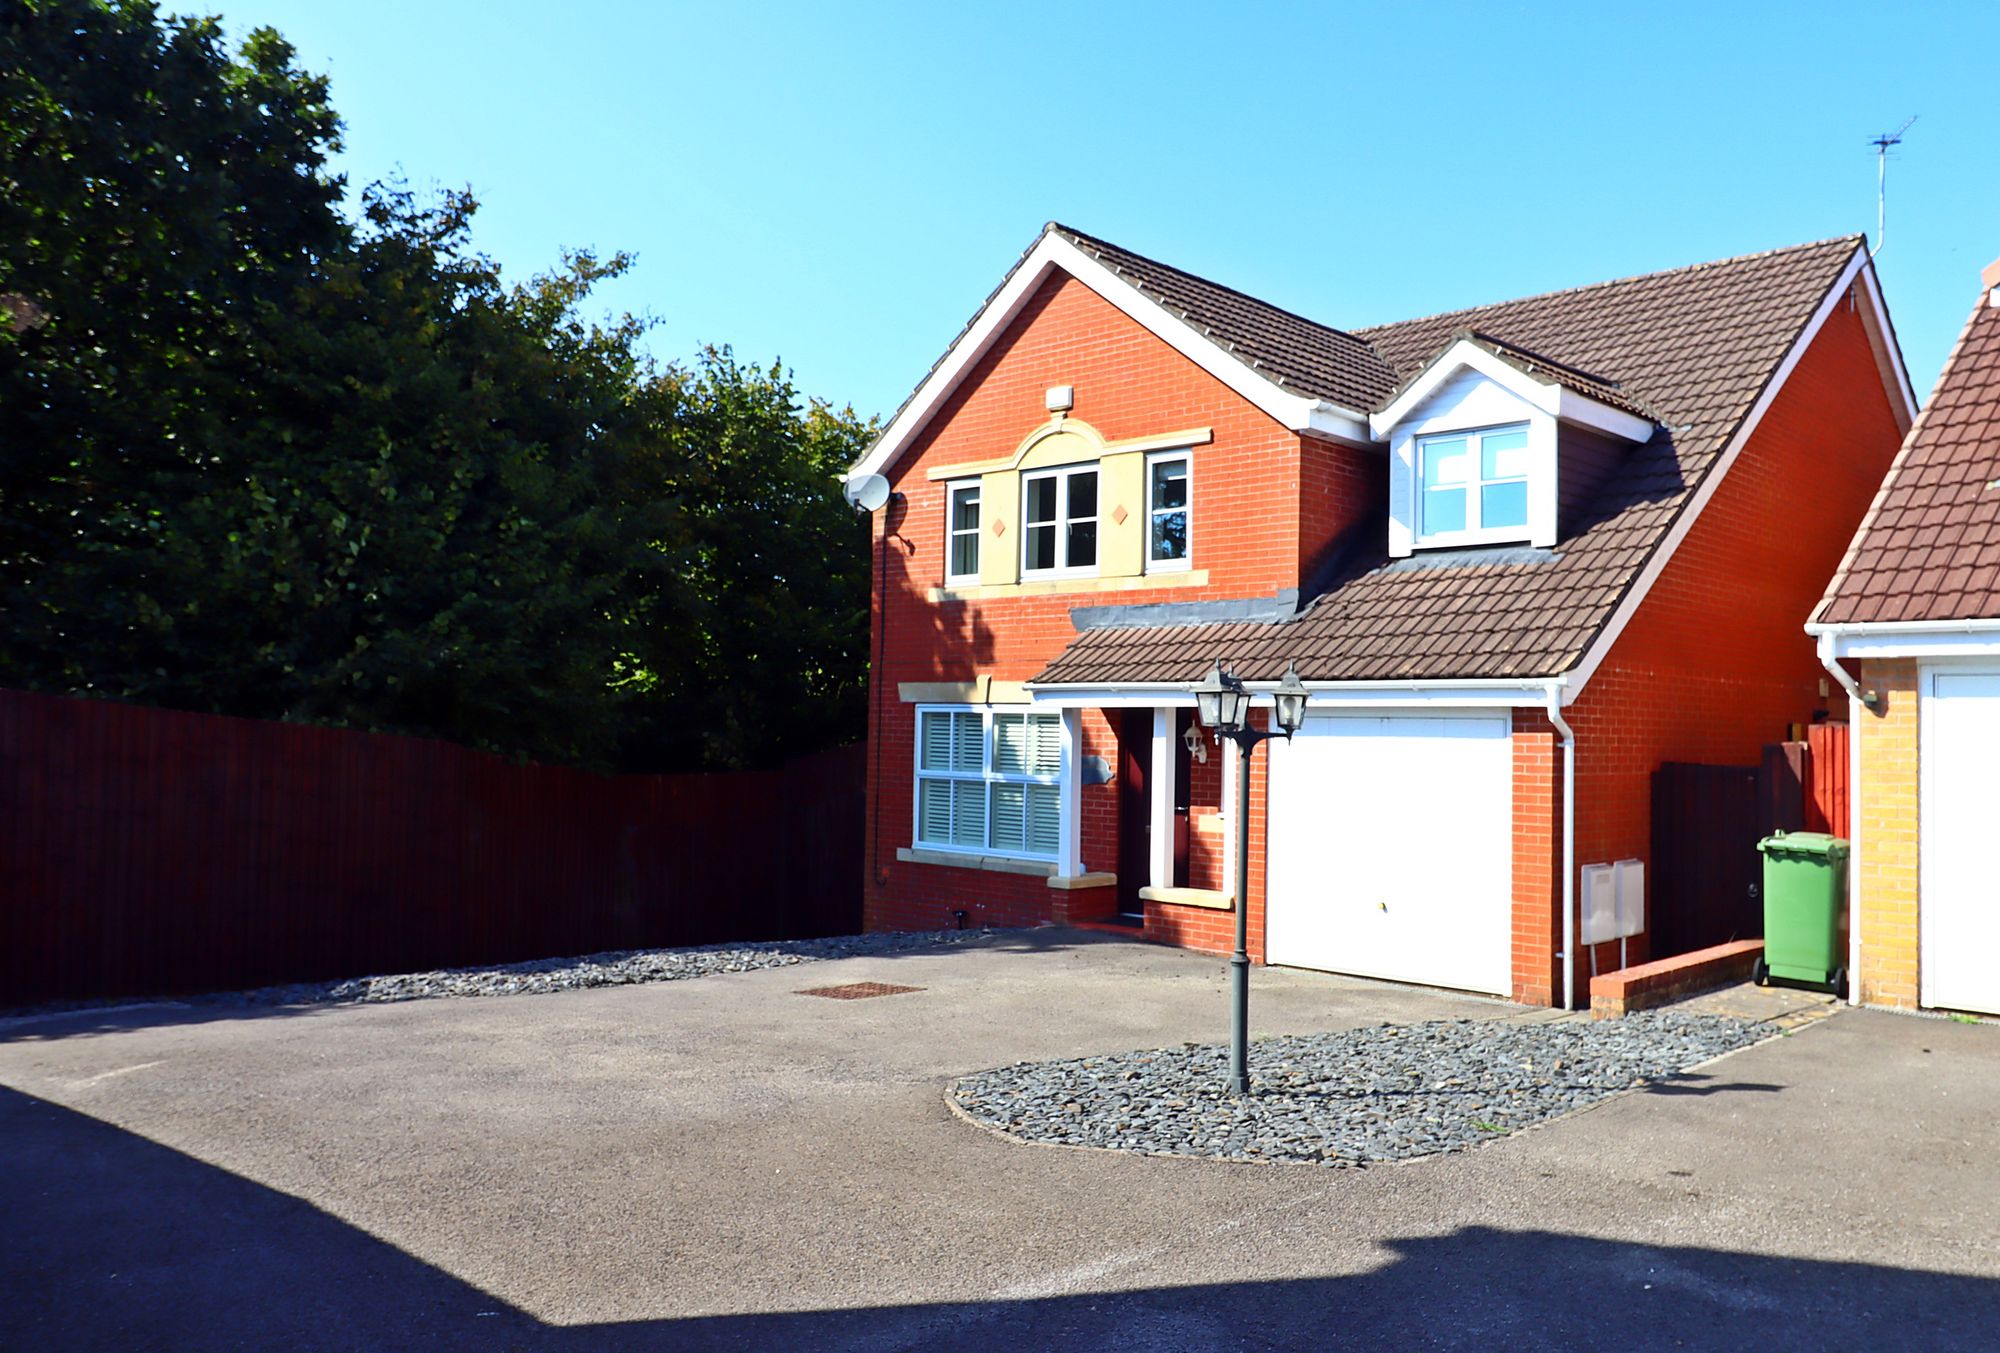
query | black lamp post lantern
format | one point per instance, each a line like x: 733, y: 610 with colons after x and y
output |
x: 1223, y: 703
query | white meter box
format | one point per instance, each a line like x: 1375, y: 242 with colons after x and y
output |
x: 1614, y: 900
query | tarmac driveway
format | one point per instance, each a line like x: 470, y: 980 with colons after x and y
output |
x: 722, y: 1163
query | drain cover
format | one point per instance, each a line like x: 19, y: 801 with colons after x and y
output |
x: 857, y: 991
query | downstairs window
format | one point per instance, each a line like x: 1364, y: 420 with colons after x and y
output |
x: 987, y: 781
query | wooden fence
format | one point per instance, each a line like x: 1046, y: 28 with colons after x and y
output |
x: 147, y: 851
x: 1707, y: 874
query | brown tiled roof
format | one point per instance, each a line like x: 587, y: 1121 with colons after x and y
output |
x: 1691, y: 349
x: 1286, y: 349
x: 1929, y: 548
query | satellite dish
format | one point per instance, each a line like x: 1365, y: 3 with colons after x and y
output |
x: 867, y: 492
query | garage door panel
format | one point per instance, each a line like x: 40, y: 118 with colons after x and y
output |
x: 1391, y: 849
x: 1960, y: 887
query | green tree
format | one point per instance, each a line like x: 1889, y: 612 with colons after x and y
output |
x: 261, y: 460
x: 760, y: 651
x: 156, y: 197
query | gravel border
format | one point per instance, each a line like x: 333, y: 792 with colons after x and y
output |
x: 1386, y: 1093
x: 624, y: 967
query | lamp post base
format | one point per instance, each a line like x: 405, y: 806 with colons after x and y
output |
x: 1239, y: 1023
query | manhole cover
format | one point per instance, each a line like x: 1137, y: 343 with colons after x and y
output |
x: 857, y: 991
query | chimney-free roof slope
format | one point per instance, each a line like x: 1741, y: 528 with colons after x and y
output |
x: 1929, y: 548
x: 1692, y: 349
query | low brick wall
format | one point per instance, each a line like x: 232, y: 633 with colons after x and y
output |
x: 1668, y: 979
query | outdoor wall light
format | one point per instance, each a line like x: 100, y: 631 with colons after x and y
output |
x: 1224, y: 704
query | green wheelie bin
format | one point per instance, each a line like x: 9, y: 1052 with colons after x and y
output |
x: 1805, y: 894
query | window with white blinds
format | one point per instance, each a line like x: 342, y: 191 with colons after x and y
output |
x: 987, y: 781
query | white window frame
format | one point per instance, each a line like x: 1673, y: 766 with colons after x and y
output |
x: 987, y: 775
x: 952, y: 531
x: 1062, y: 474
x: 1476, y: 532
x: 1185, y: 562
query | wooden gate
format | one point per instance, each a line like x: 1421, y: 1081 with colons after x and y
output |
x: 1705, y: 862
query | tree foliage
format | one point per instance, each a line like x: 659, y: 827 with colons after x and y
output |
x: 258, y: 459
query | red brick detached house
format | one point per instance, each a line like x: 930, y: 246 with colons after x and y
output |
x: 1521, y: 554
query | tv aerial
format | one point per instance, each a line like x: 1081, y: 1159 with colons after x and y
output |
x: 1883, y: 144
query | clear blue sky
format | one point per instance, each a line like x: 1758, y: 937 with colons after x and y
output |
x: 840, y: 185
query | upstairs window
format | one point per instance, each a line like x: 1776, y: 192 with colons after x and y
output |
x: 1474, y: 486
x: 987, y: 781
x: 1167, y: 512
x: 961, y: 552
x: 1059, y: 516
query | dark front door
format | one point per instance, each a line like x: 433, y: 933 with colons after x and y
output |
x: 1135, y: 807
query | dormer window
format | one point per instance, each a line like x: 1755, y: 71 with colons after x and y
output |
x: 1475, y: 486
x: 1473, y: 442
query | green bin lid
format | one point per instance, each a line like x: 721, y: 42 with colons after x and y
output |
x: 1817, y: 845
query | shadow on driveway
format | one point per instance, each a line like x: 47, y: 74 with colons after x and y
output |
x: 111, y: 1241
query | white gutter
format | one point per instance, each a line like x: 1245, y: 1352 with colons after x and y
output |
x: 1857, y: 704
x: 1553, y: 693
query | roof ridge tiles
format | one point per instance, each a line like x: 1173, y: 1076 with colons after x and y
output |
x: 1366, y: 330
x: 1096, y: 242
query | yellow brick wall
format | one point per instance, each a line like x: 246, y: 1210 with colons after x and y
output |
x: 1888, y: 847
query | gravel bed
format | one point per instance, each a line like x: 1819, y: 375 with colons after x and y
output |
x: 537, y: 976
x: 1391, y: 1092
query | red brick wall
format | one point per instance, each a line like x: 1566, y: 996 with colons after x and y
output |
x: 1537, y: 856
x: 1244, y: 534
x: 1716, y: 663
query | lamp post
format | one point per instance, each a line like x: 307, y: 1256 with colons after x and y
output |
x: 1223, y: 703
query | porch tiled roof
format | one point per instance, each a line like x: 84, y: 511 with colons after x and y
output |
x: 1929, y: 548
x: 1692, y: 349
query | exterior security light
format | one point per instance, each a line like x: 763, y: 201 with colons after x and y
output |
x: 1222, y: 701
x: 1290, y: 698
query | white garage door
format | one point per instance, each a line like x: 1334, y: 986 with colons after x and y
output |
x: 1960, y: 885
x: 1391, y: 849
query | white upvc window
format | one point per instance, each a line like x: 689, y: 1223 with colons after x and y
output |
x: 988, y: 781
x: 961, y: 532
x: 1472, y: 487
x: 1059, y: 522
x: 1168, y: 511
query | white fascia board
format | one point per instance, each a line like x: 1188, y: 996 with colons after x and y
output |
x: 1445, y: 695
x: 1150, y: 696
x: 1052, y: 252
x: 1338, y: 424
x: 1549, y: 397
x: 1581, y: 409
x: 1469, y: 693
x: 1888, y: 353
x: 1913, y: 639
x: 1642, y: 586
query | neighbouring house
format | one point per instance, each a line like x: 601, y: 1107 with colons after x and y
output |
x: 1911, y: 623
x: 1521, y: 554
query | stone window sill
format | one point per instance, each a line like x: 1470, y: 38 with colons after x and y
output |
x: 992, y: 864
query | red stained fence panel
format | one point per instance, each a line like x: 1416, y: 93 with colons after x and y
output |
x: 1827, y: 790
x: 147, y: 851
